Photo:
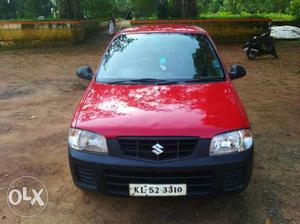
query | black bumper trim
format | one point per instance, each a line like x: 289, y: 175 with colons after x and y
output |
x: 204, y: 176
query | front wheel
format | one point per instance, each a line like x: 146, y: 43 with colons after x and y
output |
x: 251, y: 55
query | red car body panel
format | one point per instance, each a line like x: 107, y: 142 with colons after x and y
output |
x: 202, y: 110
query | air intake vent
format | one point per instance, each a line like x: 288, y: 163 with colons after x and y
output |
x: 234, y: 179
x: 85, y: 176
x: 198, y: 182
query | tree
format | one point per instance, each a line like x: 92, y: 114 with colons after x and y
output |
x: 97, y: 8
x: 89, y: 9
x: 204, y: 5
x: 214, y: 6
x: 69, y: 9
x: 163, y: 9
x: 144, y: 8
x: 34, y: 8
x: 231, y: 6
x: 184, y: 8
x: 29, y: 9
x: 8, y: 9
x: 120, y: 7
x: 175, y: 8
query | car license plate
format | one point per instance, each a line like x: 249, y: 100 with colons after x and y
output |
x: 153, y: 190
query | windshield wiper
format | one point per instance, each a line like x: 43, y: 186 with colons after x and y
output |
x: 144, y: 80
x: 148, y: 80
x: 204, y: 79
x: 166, y: 83
x: 120, y: 82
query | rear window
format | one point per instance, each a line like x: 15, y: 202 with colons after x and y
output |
x: 168, y: 56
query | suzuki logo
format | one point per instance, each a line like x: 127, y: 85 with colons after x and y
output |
x: 157, y: 149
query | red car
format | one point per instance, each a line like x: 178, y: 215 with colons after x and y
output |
x: 161, y: 117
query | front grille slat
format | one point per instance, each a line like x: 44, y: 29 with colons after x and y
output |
x: 141, y: 147
x: 87, y: 178
x: 201, y: 185
x: 157, y: 177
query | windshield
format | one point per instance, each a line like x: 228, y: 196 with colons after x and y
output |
x: 160, y: 56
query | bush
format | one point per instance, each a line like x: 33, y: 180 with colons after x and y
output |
x: 245, y: 15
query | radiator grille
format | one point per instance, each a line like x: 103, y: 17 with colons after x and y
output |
x: 172, y: 148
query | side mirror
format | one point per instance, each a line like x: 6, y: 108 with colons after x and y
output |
x: 237, y: 71
x: 85, y: 72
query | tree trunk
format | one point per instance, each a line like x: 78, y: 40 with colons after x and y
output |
x: 176, y: 8
x: 184, y: 8
x: 163, y: 9
x: 70, y: 9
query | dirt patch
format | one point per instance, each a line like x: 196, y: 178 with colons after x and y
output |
x: 4, y: 127
x: 14, y: 92
x: 59, y: 84
x: 39, y: 92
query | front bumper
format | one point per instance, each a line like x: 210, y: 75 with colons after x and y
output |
x: 203, y: 176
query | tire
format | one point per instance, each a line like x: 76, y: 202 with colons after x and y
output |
x: 251, y: 55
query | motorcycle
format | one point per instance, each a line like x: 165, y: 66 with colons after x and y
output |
x: 260, y: 45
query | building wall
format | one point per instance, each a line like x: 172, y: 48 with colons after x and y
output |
x: 19, y: 34
x: 221, y: 30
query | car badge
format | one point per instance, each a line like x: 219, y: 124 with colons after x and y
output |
x: 157, y: 149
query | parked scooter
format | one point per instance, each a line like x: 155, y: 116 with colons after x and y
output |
x: 260, y: 45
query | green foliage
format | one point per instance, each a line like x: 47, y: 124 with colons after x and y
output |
x: 104, y: 8
x: 31, y: 9
x: 120, y: 7
x: 7, y: 11
x: 232, y: 6
x: 96, y: 8
x: 164, y: 8
x: 255, y: 6
x: 295, y: 8
x: 144, y: 8
x: 214, y: 6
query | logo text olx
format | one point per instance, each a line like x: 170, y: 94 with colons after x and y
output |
x: 16, y: 196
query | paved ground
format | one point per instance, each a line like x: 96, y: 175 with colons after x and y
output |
x: 39, y: 91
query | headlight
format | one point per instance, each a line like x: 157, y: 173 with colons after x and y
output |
x: 85, y: 140
x: 231, y: 142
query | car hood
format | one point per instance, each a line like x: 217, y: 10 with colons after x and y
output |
x: 202, y: 110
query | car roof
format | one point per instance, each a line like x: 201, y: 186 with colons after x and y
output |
x: 164, y: 28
